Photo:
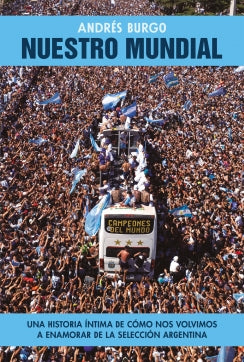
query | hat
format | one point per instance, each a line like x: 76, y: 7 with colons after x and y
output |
x: 160, y: 279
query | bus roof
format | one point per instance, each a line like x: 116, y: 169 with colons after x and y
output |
x: 132, y: 134
x: 122, y: 129
x: 119, y: 210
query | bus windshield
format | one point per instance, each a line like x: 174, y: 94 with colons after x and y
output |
x: 112, y: 251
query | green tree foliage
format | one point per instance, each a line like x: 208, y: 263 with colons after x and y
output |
x: 188, y: 7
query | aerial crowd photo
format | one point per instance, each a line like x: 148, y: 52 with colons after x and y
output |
x: 121, y: 190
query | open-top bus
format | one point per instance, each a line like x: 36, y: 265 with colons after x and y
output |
x: 126, y: 226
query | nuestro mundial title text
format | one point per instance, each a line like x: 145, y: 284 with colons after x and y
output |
x: 107, y: 40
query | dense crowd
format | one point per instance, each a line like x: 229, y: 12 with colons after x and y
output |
x: 113, y: 354
x: 49, y: 264
x: 75, y: 7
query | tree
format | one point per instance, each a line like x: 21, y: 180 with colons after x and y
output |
x: 216, y: 5
x: 180, y: 6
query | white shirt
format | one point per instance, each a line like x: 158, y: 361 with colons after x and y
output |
x: 174, y: 265
x: 127, y: 123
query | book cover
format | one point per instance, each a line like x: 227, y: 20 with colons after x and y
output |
x: 175, y: 83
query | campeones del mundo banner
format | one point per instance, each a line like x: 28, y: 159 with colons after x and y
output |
x: 121, y: 40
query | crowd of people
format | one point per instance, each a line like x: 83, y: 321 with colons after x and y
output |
x: 75, y: 7
x: 112, y: 354
x: 194, y: 158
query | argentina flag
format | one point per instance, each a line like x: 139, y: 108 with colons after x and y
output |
x: 182, y: 211
x: 156, y: 122
x: 211, y: 359
x: 153, y: 78
x: 218, y: 92
x: 187, y: 105
x: 93, y: 218
x: 111, y: 100
x: 170, y: 80
x: 239, y: 69
x: 78, y: 175
x: 94, y: 144
x: 38, y: 141
x: 158, y: 106
x: 75, y: 150
x: 226, y: 354
x: 129, y: 111
x: 230, y: 134
x: 54, y: 99
x: 239, y: 297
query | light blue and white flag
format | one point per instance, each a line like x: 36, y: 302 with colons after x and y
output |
x: 224, y: 189
x: 187, y: 105
x: 78, y: 175
x: 75, y: 150
x: 158, y: 106
x: 239, y: 297
x: 239, y: 69
x: 38, y: 141
x: 170, y: 80
x: 129, y: 111
x: 94, y: 144
x: 111, y: 100
x: 87, y: 206
x: 230, y: 134
x: 87, y: 157
x: 72, y: 172
x: 54, y: 99
x: 154, y: 77
x: 156, y: 122
x: 182, y: 211
x: 211, y: 359
x: 218, y: 92
x: 93, y: 218
x: 226, y: 354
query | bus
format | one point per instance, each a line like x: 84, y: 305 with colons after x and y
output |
x: 135, y: 228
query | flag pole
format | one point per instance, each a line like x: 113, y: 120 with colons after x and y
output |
x: 232, y: 7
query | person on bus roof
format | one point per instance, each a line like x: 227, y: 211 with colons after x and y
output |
x: 126, y: 170
x: 116, y: 194
x: 127, y: 122
x: 140, y: 258
x: 124, y: 256
x: 123, y: 140
x: 129, y: 200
